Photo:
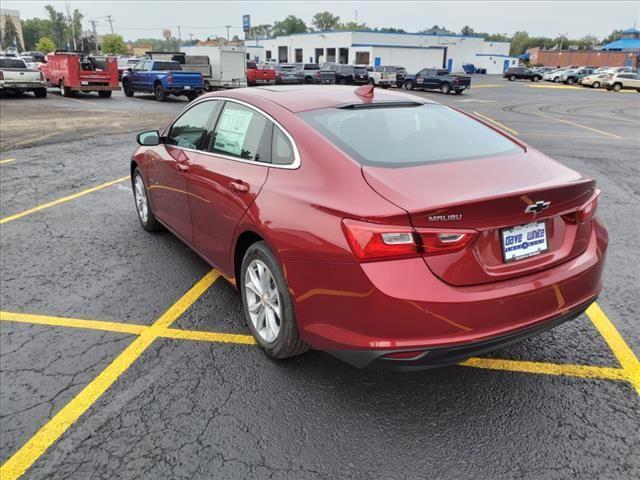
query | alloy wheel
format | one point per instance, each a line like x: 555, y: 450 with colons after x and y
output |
x: 263, y: 301
x: 140, y: 194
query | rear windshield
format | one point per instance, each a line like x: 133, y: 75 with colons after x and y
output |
x: 12, y: 63
x: 401, y: 136
x: 361, y: 70
x: 166, y: 66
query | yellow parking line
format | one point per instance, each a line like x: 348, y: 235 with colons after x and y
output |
x: 582, y: 371
x: 61, y: 200
x: 8, y: 160
x: 560, y: 120
x: 618, y: 346
x: 207, y: 336
x: 20, y: 461
x: 73, y: 323
x: 495, y: 122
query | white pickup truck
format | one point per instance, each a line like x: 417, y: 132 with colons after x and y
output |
x: 16, y: 77
x: 382, y: 76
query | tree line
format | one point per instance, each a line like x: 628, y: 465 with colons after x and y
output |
x: 60, y: 31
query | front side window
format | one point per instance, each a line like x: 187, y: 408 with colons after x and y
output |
x: 400, y: 136
x: 242, y: 132
x: 192, y: 130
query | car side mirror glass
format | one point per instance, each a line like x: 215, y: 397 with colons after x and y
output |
x: 149, y: 139
x: 129, y: 69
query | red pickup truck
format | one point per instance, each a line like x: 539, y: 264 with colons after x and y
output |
x: 259, y: 76
x: 75, y: 72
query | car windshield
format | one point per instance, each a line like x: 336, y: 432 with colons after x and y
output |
x: 400, y: 136
x: 12, y: 63
x: 166, y: 66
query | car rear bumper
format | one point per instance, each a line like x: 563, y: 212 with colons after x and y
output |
x: 22, y: 85
x: 449, y: 355
x: 402, y: 305
x: 95, y: 88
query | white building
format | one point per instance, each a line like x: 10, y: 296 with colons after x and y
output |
x: 413, y: 51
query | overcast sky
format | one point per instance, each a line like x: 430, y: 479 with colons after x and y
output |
x: 147, y: 18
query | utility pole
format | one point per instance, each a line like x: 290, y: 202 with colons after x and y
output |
x: 95, y: 33
x: 191, y: 37
x: 73, y: 28
x: 227, y: 27
x: 110, y: 20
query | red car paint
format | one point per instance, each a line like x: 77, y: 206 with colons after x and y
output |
x: 64, y: 68
x: 420, y: 299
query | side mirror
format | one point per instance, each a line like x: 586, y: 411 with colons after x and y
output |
x: 129, y: 69
x: 149, y: 139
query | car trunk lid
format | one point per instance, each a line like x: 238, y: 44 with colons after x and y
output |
x: 488, y: 195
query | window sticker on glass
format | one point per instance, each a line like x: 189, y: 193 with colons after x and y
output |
x: 232, y: 130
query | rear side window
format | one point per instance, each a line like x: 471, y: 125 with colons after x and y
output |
x: 281, y: 149
x: 311, y: 66
x: 251, y: 65
x: 243, y: 133
x: 192, y: 130
x: 12, y: 63
x: 166, y: 66
x: 403, y: 136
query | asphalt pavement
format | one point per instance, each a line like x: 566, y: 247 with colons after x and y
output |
x: 122, y: 354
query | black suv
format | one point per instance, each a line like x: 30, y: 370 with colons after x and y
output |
x: 522, y: 73
x: 348, y: 74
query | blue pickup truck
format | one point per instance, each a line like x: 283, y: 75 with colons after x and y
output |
x: 162, y: 78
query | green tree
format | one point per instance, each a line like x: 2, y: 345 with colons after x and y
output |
x: 74, y: 27
x: 353, y: 26
x: 467, y: 31
x: 261, y: 31
x: 45, y: 45
x: 10, y: 35
x: 437, y: 29
x: 389, y: 30
x: 289, y: 25
x: 113, y: 44
x: 58, y: 27
x: 615, y: 35
x: 519, y: 43
x: 33, y: 30
x: 325, y: 21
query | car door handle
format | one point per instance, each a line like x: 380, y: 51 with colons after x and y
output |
x: 239, y: 186
x: 182, y: 168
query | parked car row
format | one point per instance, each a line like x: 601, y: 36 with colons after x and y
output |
x: 611, y: 78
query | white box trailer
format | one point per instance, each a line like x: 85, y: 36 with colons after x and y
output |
x: 228, y: 66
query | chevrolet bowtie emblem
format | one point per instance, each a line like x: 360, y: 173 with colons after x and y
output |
x: 537, y: 207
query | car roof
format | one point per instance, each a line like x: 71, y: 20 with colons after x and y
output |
x: 300, y: 98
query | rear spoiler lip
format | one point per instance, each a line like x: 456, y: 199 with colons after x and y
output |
x: 515, y: 140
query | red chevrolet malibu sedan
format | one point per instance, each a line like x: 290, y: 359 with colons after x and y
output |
x: 385, y: 229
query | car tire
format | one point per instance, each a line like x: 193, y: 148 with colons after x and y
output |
x: 66, y: 91
x: 159, y: 92
x: 512, y: 78
x: 595, y: 85
x: 267, y: 304
x: 458, y: 91
x: 536, y: 79
x: 104, y: 93
x: 40, y: 92
x: 191, y: 96
x: 372, y: 81
x: 570, y: 81
x: 143, y: 205
x: 408, y: 85
x: 342, y: 81
x: 445, y: 88
x: 127, y: 88
x: 616, y: 87
x: 556, y: 80
x: 308, y: 80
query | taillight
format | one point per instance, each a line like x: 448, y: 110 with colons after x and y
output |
x: 588, y: 210
x: 370, y: 241
x: 437, y: 242
x: 318, y: 74
x: 169, y: 78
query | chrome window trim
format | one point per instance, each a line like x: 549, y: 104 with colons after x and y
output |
x: 296, y: 154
